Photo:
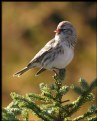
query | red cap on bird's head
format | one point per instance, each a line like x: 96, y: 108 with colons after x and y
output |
x: 59, y: 27
x: 57, y: 30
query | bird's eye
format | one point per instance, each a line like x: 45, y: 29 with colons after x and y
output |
x: 64, y: 30
x: 68, y: 31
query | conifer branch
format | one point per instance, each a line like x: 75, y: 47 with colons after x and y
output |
x: 23, y: 102
x: 91, y: 111
x: 51, y: 106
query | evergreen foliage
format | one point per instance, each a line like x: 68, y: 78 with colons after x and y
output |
x: 51, y: 106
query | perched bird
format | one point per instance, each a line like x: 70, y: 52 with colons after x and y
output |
x: 57, y: 53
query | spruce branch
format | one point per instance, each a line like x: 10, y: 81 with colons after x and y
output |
x: 38, y: 97
x: 92, y: 118
x: 77, y: 89
x: 84, y: 84
x: 51, y: 106
x: 7, y: 115
x: 72, y: 108
x: 93, y: 85
x: 92, y: 111
x: 26, y: 103
x: 83, y: 98
x: 60, y: 91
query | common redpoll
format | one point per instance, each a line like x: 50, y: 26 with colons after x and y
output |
x: 57, y: 53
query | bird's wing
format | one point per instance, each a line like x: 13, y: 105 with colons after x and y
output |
x: 40, y: 71
x: 39, y: 56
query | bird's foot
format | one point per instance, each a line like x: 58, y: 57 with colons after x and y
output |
x: 60, y: 75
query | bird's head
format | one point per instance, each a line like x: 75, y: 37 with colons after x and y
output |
x: 66, y: 31
x: 64, y: 25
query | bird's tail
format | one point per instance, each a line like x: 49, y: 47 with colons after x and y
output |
x: 19, y: 73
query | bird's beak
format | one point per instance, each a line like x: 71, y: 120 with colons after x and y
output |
x: 57, y: 31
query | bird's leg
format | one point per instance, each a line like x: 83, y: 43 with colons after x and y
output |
x: 59, y: 74
x: 62, y: 74
x: 56, y: 76
x: 56, y: 71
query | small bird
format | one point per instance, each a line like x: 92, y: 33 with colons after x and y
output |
x: 57, y: 53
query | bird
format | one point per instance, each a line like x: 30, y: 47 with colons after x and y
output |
x: 57, y: 53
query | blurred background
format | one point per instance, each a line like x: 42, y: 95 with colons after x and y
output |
x: 28, y: 26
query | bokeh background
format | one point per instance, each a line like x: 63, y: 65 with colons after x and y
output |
x: 28, y: 26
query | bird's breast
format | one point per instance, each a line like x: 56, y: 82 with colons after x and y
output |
x: 63, y: 59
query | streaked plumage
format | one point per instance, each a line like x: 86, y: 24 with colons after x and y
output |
x: 57, y: 53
